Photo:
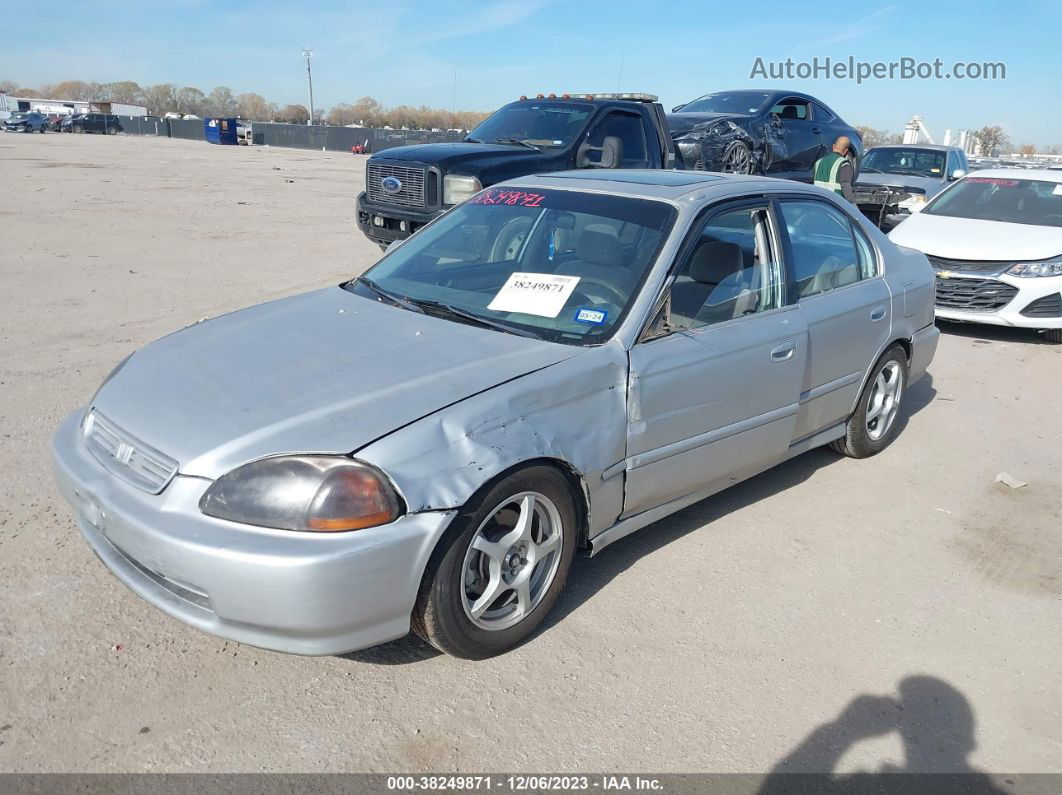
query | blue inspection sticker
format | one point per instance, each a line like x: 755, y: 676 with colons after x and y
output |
x: 596, y: 316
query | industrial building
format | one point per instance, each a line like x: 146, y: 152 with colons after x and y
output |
x: 12, y: 104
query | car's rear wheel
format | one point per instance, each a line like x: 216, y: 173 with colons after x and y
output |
x: 500, y: 567
x: 874, y: 423
x: 737, y: 158
x: 1053, y: 335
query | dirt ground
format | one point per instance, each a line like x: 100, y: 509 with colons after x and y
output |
x: 736, y: 635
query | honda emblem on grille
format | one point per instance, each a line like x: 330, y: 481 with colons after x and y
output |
x: 123, y: 453
x: 391, y: 184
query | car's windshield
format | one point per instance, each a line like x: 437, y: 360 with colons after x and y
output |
x: 920, y: 162
x: 542, y: 123
x: 19, y: 116
x: 746, y: 103
x: 1016, y: 201
x: 562, y: 265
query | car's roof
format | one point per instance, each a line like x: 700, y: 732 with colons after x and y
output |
x: 934, y: 147
x: 648, y: 183
x: 1045, y: 174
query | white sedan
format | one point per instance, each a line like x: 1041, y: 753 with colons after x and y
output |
x: 995, y: 241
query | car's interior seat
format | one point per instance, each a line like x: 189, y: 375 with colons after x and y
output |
x: 719, y: 288
x: 789, y: 112
x: 599, y: 256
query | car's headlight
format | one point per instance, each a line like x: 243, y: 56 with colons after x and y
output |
x: 456, y: 189
x: 916, y: 200
x: 1051, y: 267
x: 304, y: 492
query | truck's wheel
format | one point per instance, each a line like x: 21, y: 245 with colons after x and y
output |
x: 500, y: 567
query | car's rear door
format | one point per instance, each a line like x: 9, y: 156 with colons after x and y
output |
x: 716, y: 401
x: 844, y: 303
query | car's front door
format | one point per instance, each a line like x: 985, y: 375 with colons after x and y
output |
x: 801, y: 138
x: 844, y: 302
x: 714, y: 398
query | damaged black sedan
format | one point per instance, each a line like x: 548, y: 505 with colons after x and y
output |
x: 777, y: 133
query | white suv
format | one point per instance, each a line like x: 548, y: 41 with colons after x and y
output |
x: 995, y: 241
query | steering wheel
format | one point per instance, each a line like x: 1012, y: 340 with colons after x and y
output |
x: 611, y: 290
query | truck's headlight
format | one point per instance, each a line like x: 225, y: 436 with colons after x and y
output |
x: 456, y: 189
x: 304, y: 492
x: 1052, y: 267
x: 917, y: 200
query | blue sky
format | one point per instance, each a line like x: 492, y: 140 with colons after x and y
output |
x: 406, y: 51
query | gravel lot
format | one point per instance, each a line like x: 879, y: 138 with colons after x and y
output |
x: 719, y: 639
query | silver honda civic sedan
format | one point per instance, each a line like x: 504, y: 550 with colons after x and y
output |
x: 550, y: 366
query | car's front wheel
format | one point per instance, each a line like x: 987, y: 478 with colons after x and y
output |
x: 501, y: 566
x: 78, y: 128
x: 874, y: 424
x: 112, y: 131
x: 737, y: 159
x: 1053, y: 335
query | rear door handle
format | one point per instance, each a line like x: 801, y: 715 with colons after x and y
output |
x: 783, y: 351
x: 877, y: 314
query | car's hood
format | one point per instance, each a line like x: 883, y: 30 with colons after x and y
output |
x: 322, y: 372
x: 680, y: 123
x: 448, y: 155
x: 929, y: 185
x: 966, y: 238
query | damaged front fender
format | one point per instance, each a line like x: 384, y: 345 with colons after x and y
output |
x: 573, y: 412
x: 705, y: 147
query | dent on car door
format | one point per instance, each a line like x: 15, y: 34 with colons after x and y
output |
x: 801, y: 136
x: 715, y: 400
x: 844, y: 302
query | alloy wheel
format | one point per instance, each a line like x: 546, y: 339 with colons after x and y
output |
x: 884, y: 402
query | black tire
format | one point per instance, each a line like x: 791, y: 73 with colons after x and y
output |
x: 43, y: 129
x: 77, y: 128
x: 737, y: 152
x: 112, y: 131
x: 858, y: 440
x: 440, y: 616
x: 1053, y: 335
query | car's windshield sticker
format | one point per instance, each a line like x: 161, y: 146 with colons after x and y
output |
x: 510, y: 197
x: 1003, y: 183
x: 591, y: 316
x: 542, y: 294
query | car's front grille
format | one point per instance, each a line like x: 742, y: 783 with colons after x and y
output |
x: 968, y: 266
x: 411, y: 184
x: 974, y: 295
x: 126, y: 456
x: 1048, y: 306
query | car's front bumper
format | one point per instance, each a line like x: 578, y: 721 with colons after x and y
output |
x: 302, y: 593
x: 384, y: 224
x: 1029, y: 292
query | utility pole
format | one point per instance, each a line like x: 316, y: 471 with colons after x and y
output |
x: 308, y: 54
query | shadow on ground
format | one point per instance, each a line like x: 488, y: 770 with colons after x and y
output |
x: 587, y: 576
x: 936, y: 726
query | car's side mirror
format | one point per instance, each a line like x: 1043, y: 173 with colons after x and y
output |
x: 958, y: 173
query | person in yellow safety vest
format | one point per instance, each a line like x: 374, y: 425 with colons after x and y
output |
x: 834, y: 171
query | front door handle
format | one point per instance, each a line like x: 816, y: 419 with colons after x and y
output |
x: 816, y: 130
x: 877, y: 314
x: 783, y: 351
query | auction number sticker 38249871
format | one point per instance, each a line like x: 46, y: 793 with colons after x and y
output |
x: 542, y: 294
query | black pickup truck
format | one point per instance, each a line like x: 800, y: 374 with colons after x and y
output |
x: 408, y: 186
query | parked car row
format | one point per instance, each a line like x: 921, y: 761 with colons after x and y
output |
x: 35, y: 122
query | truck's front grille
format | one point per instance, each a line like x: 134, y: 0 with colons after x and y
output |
x: 405, y: 184
x: 974, y: 295
x: 126, y: 456
x: 968, y: 266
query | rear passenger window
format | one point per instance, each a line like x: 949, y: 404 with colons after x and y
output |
x: 824, y: 250
x: 730, y: 273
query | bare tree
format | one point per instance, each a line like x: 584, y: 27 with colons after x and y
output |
x: 221, y: 102
x: 293, y: 114
x: 254, y: 107
x: 160, y: 98
x: 76, y: 89
x: 992, y: 139
x: 874, y: 137
x: 8, y: 86
x: 190, y: 100
x: 1027, y: 150
x: 125, y: 91
x: 342, y: 114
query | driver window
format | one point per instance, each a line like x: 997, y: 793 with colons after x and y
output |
x: 791, y: 108
x: 628, y: 129
x: 731, y: 272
